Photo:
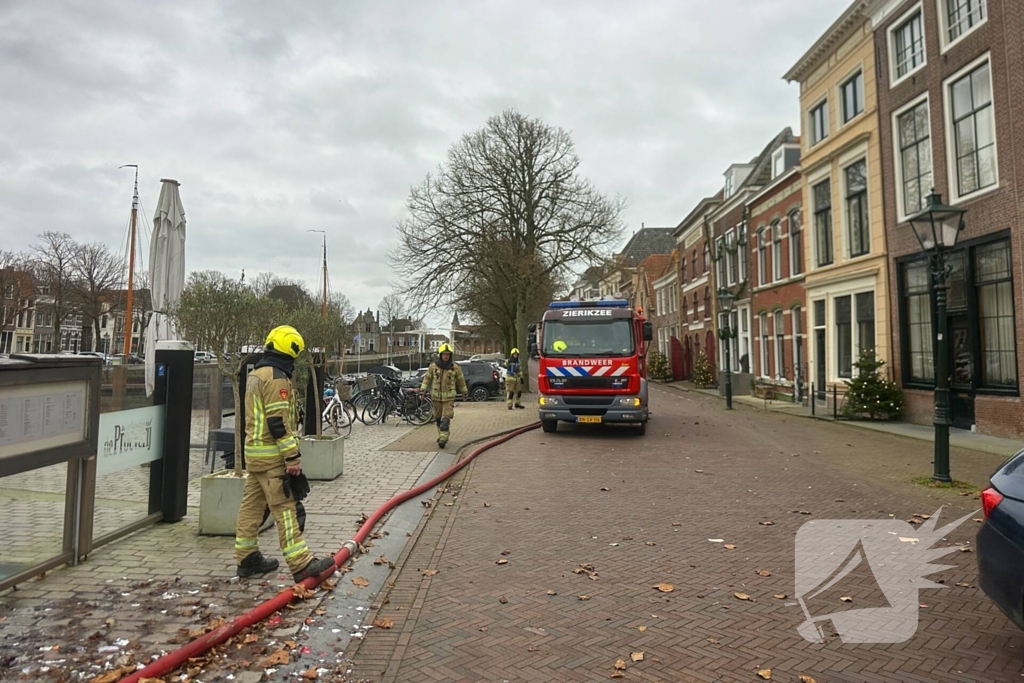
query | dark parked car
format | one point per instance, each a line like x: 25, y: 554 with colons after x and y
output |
x: 481, y: 379
x: 1001, y: 540
x: 385, y: 371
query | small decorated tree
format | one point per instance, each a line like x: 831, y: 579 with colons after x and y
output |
x: 703, y: 373
x: 870, y: 394
x: 658, y: 367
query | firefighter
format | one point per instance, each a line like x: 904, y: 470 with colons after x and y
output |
x: 271, y: 455
x: 444, y: 379
x: 514, y: 380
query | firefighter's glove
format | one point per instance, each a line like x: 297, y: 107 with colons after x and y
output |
x: 298, y: 485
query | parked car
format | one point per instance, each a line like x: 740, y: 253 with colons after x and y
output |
x: 482, y: 380
x: 415, y: 379
x: 107, y: 360
x: 489, y: 357
x: 204, y: 357
x: 1001, y: 540
x: 385, y: 370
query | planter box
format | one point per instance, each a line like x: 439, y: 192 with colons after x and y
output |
x: 323, y: 458
x: 220, y: 497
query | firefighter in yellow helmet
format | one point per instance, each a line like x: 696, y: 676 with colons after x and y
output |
x: 271, y: 455
x: 515, y: 378
x: 444, y: 379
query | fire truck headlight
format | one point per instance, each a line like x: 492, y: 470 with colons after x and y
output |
x: 549, y: 400
x: 629, y: 401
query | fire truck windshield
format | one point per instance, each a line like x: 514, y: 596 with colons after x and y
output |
x: 584, y: 338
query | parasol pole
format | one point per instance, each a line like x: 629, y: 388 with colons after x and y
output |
x: 131, y: 264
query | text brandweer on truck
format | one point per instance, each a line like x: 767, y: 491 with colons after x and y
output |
x: 592, y: 363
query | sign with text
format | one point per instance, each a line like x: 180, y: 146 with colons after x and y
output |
x: 35, y: 417
x: 130, y: 437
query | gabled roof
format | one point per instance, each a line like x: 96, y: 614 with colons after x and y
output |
x: 652, y: 268
x: 645, y: 242
x: 854, y: 16
x: 703, y: 207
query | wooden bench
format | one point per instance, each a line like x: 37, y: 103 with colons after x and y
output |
x: 765, y: 391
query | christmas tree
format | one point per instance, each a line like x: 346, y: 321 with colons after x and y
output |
x: 870, y: 394
x: 703, y: 373
x: 658, y: 367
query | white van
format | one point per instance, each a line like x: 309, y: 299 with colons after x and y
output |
x: 489, y: 357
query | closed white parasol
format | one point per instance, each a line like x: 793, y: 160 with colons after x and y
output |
x: 166, y: 270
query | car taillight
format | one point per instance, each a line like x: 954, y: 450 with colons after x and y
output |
x: 495, y: 375
x: 990, y: 498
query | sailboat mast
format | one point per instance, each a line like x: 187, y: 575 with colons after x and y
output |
x: 323, y: 312
x: 131, y: 266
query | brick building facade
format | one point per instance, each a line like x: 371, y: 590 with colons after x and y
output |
x: 949, y: 78
x: 696, y: 307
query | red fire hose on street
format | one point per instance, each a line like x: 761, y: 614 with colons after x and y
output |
x: 173, y: 660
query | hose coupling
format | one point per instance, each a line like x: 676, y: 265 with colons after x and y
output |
x: 353, y: 547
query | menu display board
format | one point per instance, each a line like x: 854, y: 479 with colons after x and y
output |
x: 39, y: 416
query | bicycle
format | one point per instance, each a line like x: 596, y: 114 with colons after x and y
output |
x: 393, y: 399
x: 339, y: 412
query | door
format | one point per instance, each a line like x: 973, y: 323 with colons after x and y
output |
x: 819, y: 363
x: 962, y: 368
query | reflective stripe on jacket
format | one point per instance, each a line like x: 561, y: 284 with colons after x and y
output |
x: 270, y: 439
x: 444, y: 384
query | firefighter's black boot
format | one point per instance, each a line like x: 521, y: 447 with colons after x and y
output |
x: 254, y: 564
x: 316, y: 567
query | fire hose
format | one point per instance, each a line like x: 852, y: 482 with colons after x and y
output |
x: 175, y: 659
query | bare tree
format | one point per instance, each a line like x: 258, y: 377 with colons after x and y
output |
x: 96, y: 276
x: 55, y: 275
x: 16, y: 290
x: 391, y: 309
x: 513, y: 184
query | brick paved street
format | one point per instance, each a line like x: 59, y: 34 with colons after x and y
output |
x: 539, y: 503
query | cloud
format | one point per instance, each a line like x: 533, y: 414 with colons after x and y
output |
x: 280, y: 118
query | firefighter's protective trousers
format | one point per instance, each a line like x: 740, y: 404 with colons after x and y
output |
x: 444, y: 381
x: 270, y: 447
x: 514, y: 381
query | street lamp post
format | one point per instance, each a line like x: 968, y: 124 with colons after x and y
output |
x: 937, y: 228
x: 725, y: 332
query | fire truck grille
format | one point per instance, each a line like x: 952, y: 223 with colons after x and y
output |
x: 589, y: 382
x: 573, y: 401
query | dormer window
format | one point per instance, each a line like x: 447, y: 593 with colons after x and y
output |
x: 728, y: 185
x: 778, y: 162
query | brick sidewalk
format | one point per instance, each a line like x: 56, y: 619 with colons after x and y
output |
x: 540, y: 503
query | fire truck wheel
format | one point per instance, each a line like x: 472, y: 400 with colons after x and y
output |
x: 640, y: 429
x: 549, y: 426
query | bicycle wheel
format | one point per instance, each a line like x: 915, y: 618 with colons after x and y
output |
x: 340, y: 420
x: 421, y: 411
x: 359, y: 404
x: 374, y: 411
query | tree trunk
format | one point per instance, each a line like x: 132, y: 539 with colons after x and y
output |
x: 239, y: 425
x: 521, y: 336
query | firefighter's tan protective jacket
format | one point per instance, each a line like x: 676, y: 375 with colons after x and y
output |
x: 270, y: 439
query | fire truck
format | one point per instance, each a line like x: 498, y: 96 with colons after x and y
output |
x: 592, y: 358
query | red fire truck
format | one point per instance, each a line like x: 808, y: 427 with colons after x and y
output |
x: 592, y: 363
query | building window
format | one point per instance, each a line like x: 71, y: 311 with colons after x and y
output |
x: 762, y: 261
x: 796, y: 244
x: 974, y: 131
x: 844, y: 337
x: 780, y: 346
x: 778, y: 162
x: 742, y: 343
x: 797, y: 341
x: 707, y: 260
x: 914, y: 131
x: 727, y: 191
x: 852, y: 92
x: 776, y: 251
x: 865, y: 321
x: 995, y: 315
x: 918, y: 317
x: 720, y: 263
x: 730, y: 256
x: 696, y: 272
x: 908, y: 45
x: 819, y: 123
x: 682, y: 270
x: 741, y: 252
x: 823, y: 222
x: 763, y: 323
x: 857, y: 226
x: 707, y: 303
x: 962, y: 16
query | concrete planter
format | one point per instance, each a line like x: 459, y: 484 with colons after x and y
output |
x: 323, y: 458
x: 220, y: 497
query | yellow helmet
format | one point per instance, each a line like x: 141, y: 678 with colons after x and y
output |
x: 445, y: 348
x: 559, y: 346
x: 513, y: 352
x: 285, y: 339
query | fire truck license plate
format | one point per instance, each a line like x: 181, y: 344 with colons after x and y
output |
x: 589, y: 418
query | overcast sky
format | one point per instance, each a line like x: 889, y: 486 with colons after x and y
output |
x: 280, y: 117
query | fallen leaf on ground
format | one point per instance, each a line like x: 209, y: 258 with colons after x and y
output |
x: 676, y: 523
x: 978, y: 519
x: 769, y: 523
x: 664, y: 587
x: 780, y: 596
x: 637, y: 656
x: 730, y: 546
x: 535, y: 631
x: 763, y: 572
x: 742, y: 596
x: 766, y: 674
x: 805, y: 512
x: 806, y: 679
x: 965, y: 549
x: 552, y: 593
x: 846, y: 598
x: 112, y: 676
x: 310, y: 674
x: 487, y: 505
x: 699, y: 471
x: 381, y: 560
x: 617, y: 674
x: 503, y: 600
x: 383, y: 622
x: 717, y: 540
x: 584, y: 597
x: 360, y: 581
x: 605, y: 488
x: 620, y: 664
x: 302, y: 592
x: 501, y: 562
x: 430, y: 572
x: 641, y: 628
x: 714, y: 641
x: 251, y: 638
x: 276, y: 659
x: 965, y: 585
x: 650, y: 543
x: 924, y: 516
